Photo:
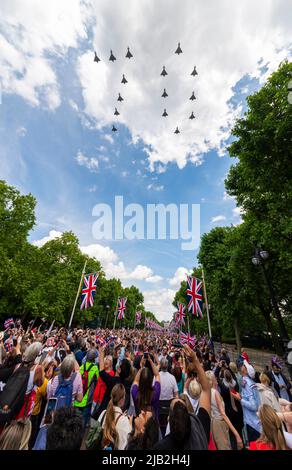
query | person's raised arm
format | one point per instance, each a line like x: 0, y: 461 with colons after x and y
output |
x: 205, y: 398
x: 154, y: 370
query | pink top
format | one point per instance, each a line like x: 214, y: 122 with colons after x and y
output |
x: 77, y: 386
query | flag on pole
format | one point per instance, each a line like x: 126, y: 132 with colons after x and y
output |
x: 138, y: 317
x: 9, y: 322
x: 186, y: 338
x: 88, y: 291
x: 121, y: 307
x: 180, y: 314
x: 195, y: 296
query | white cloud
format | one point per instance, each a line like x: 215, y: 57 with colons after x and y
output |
x: 224, y: 40
x: 179, y: 276
x: 29, y: 34
x: 155, y: 187
x: 125, y: 173
x: 237, y: 211
x: 53, y: 234
x: 21, y: 131
x: 160, y: 302
x: 227, y: 197
x: 109, y: 138
x: 74, y: 105
x: 92, y: 189
x: 90, y: 163
x: 154, y: 279
x: 218, y: 218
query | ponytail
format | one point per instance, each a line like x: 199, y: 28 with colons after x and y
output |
x: 110, y: 434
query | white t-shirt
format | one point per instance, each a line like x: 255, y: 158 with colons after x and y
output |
x: 123, y: 426
x: 168, y: 386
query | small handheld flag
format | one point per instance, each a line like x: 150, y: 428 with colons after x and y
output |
x: 88, y: 291
x: 187, y: 339
x: 9, y: 322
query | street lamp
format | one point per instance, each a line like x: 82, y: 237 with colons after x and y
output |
x: 107, y: 308
x: 258, y: 259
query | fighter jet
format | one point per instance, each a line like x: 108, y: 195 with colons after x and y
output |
x: 193, y: 97
x: 96, y: 59
x: 120, y: 98
x: 192, y: 116
x: 164, y: 72
x: 129, y: 55
x: 178, y: 51
x: 116, y: 113
x: 194, y: 72
x: 177, y: 131
x: 164, y: 95
x: 114, y: 129
x: 124, y: 80
x: 165, y: 113
x: 112, y: 57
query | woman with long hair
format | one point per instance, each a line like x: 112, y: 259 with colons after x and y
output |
x: 220, y: 423
x: 16, y: 435
x: 146, y: 394
x: 272, y: 436
x: 116, y: 425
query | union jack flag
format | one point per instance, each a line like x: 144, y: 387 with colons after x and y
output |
x: 8, y: 323
x: 88, y: 291
x: 100, y: 341
x: 187, y: 339
x: 195, y: 296
x: 138, y: 317
x: 121, y: 307
x: 8, y: 345
x: 180, y: 314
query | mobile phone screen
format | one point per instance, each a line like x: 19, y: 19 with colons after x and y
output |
x: 49, y: 410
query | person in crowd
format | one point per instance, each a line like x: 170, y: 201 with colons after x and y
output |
x: 224, y: 357
x: 279, y: 381
x: 138, y: 356
x: 233, y: 368
x: 179, y: 375
x: 272, y: 436
x: 145, y: 393
x: 145, y: 434
x: 16, y: 435
x: 122, y: 375
x: 69, y: 371
x: 187, y: 430
x: 168, y: 391
x: 89, y: 375
x: 220, y: 423
x: 165, y: 355
x: 116, y: 425
x: 250, y: 402
x: 266, y: 392
x: 66, y: 431
x: 100, y: 387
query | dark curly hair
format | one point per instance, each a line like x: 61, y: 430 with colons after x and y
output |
x: 66, y: 431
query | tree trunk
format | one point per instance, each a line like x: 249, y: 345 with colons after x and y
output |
x: 237, y: 334
x: 275, y: 339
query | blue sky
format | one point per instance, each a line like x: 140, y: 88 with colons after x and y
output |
x: 57, y: 112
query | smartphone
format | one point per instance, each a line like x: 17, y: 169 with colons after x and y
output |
x: 49, y: 411
x: 146, y: 355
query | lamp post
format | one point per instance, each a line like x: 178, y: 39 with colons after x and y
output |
x: 258, y: 259
x: 107, y: 308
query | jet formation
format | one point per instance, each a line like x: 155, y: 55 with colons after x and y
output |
x: 164, y: 73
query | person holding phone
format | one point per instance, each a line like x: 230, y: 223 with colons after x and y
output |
x: 145, y: 393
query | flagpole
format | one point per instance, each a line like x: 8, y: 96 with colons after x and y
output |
x: 77, y: 295
x: 116, y: 314
x: 207, y: 305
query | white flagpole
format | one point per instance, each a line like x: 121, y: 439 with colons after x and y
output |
x: 207, y: 305
x: 77, y: 295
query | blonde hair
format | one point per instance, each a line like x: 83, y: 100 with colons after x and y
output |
x: 211, y: 377
x: 16, y: 436
x: 195, y: 389
x: 272, y: 432
x: 110, y: 434
x: 233, y: 367
x: 264, y: 379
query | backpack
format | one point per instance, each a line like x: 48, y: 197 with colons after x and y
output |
x: 95, y: 435
x: 85, y: 379
x: 197, y: 439
x: 64, y: 392
x: 13, y: 396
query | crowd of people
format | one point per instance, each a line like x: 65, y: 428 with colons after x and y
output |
x: 136, y: 389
